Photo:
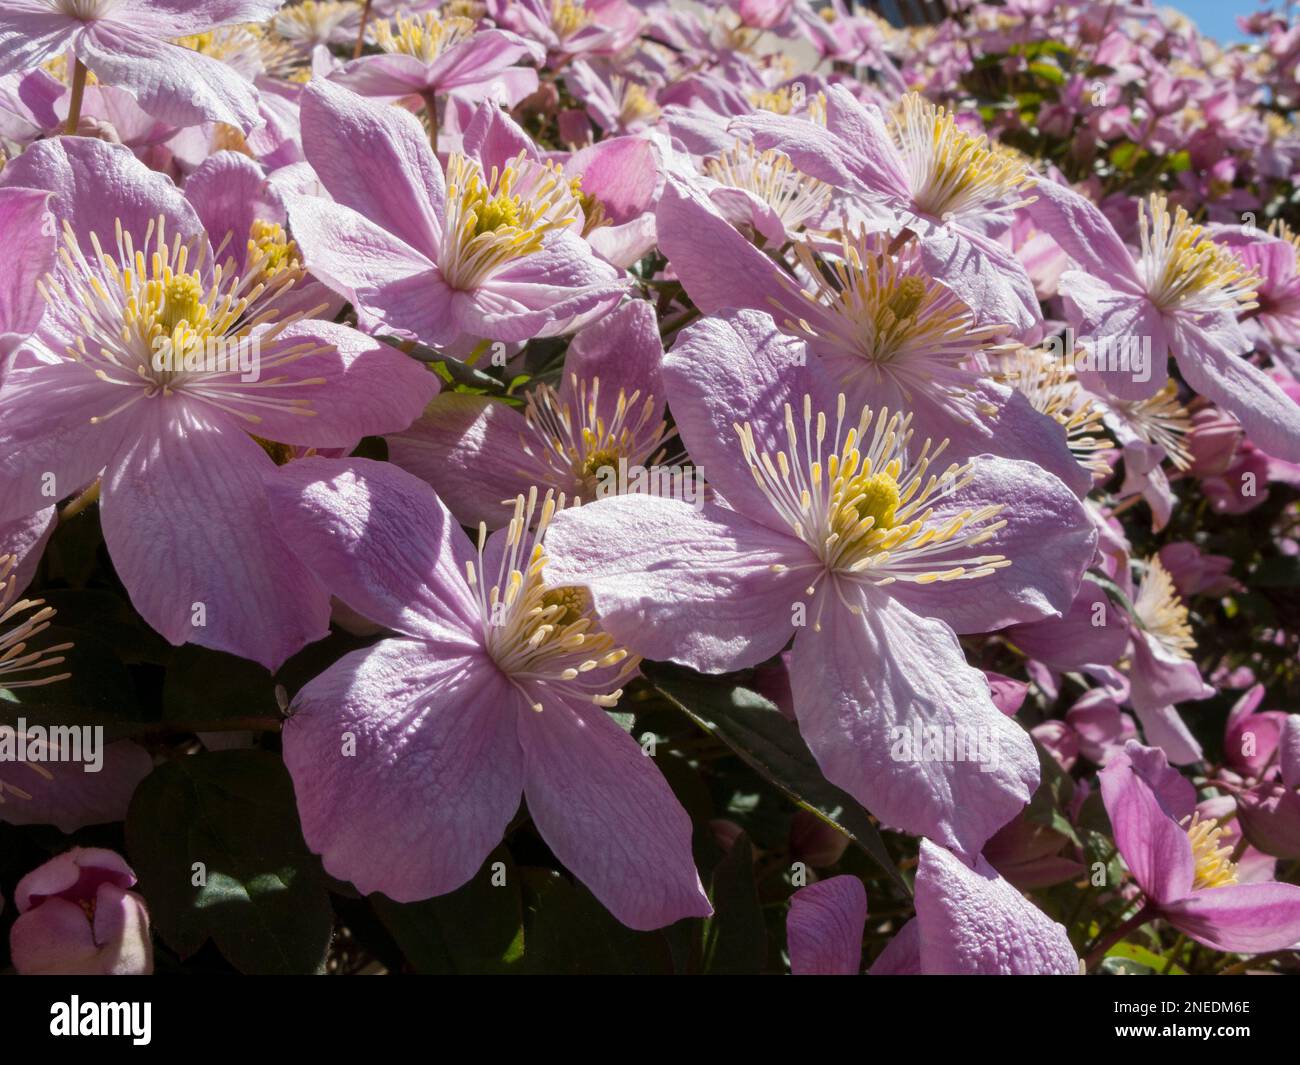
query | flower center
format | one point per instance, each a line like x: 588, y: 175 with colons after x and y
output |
x: 540, y: 637
x: 425, y: 37
x: 572, y: 443
x: 885, y: 318
x: 83, y: 9
x: 1183, y: 269
x: 869, y: 513
x: 795, y: 197
x: 1162, y: 420
x: 160, y: 319
x: 1162, y: 611
x: 496, y: 219
x: 568, y: 17
x: 1214, y: 865
x: 952, y: 171
x: 313, y: 22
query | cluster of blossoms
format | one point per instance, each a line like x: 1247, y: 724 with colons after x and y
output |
x: 480, y: 437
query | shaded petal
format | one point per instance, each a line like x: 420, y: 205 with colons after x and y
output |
x: 1084, y: 234
x: 436, y: 727
x: 380, y: 540
x: 27, y: 255
x: 1156, y: 850
x: 73, y: 798
x: 1242, y: 918
x: 469, y: 448
x: 824, y: 927
x: 608, y: 814
x: 974, y: 923
x: 902, y: 954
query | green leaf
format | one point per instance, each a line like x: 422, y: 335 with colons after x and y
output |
x: 568, y: 931
x: 771, y: 745
x: 263, y: 901
x: 476, y: 929
x: 736, y: 936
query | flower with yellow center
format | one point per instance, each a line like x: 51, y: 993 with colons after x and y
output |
x: 145, y: 310
x: 791, y: 100
x: 315, y: 22
x: 569, y: 16
x: 498, y: 218
x: 539, y: 635
x: 951, y: 171
x: 571, y: 441
x: 796, y: 198
x: 865, y: 501
x: 1183, y: 269
x: 884, y: 319
x: 1162, y: 612
x: 1213, y: 860
x: 424, y: 36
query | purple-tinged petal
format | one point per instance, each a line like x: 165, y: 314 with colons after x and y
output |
x: 1209, y: 356
x: 1164, y: 727
x: 1091, y: 632
x: 1084, y: 233
x: 469, y: 449
x: 674, y: 583
x: 71, y: 798
x: 867, y: 686
x: 824, y: 927
x: 1156, y: 850
x: 188, y: 526
x: 376, y: 159
x: 406, y: 765
x: 902, y: 954
x: 27, y: 252
x: 380, y: 540
x: 1159, y: 678
x: 607, y: 812
x: 1242, y: 918
x: 1047, y: 536
x: 23, y: 540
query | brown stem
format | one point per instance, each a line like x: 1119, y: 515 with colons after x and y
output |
x: 361, y: 30
x: 78, y: 91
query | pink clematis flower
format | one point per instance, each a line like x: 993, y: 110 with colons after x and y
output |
x: 128, y: 43
x: 479, y: 454
x: 1183, y: 294
x: 78, y: 918
x: 425, y: 55
x: 1178, y: 860
x: 879, y: 324
x: 924, y: 174
x: 494, y: 251
x: 969, y: 922
x: 1270, y: 810
x: 491, y: 685
x: 172, y: 377
x: 570, y: 27
x: 837, y: 534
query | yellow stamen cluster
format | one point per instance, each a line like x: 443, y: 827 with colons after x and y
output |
x: 788, y: 101
x: 542, y: 636
x: 499, y: 218
x: 15, y: 656
x: 313, y: 22
x: 1052, y: 389
x: 795, y: 197
x: 1214, y: 865
x: 635, y: 104
x: 571, y: 441
x: 851, y: 493
x: 1186, y: 270
x: 164, y: 304
x: 1282, y: 231
x: 569, y: 16
x: 269, y: 245
x: 952, y: 171
x: 425, y: 37
x: 1162, y: 611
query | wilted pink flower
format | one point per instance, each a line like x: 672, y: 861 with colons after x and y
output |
x: 77, y: 918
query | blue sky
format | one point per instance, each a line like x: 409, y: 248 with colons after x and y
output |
x: 1216, y: 18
